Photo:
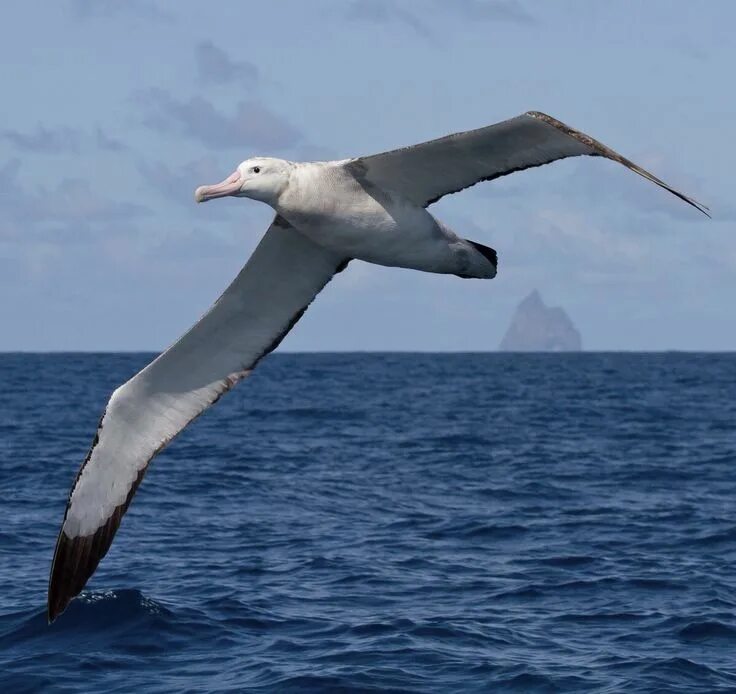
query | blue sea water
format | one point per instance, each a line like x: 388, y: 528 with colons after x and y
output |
x: 388, y: 522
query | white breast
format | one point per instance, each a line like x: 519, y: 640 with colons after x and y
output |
x: 332, y: 208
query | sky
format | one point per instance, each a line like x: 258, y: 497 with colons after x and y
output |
x: 113, y: 112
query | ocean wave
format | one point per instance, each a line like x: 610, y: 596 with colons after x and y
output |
x: 707, y: 630
x: 92, y: 613
x: 370, y: 528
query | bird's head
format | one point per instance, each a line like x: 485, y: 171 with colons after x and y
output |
x: 260, y: 178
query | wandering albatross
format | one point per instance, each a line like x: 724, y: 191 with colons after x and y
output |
x: 371, y: 208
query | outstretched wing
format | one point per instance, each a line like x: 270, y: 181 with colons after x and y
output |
x: 272, y: 291
x: 424, y: 173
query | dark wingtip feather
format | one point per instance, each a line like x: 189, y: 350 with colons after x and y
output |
x: 76, y: 558
x: 61, y: 583
x: 488, y: 252
x: 602, y: 150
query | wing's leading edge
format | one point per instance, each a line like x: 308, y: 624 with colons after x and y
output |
x: 426, y: 172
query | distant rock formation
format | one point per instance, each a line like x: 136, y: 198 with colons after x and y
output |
x: 539, y: 328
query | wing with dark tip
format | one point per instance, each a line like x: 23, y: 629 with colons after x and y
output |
x: 426, y: 172
x: 266, y: 299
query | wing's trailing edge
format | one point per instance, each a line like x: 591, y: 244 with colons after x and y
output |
x: 426, y: 172
x: 249, y: 320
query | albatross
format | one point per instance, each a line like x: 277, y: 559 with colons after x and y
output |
x: 371, y: 208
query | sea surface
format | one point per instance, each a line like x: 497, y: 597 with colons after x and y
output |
x: 388, y: 522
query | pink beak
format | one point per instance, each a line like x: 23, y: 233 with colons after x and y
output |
x: 229, y: 186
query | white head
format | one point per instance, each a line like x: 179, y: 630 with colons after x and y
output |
x: 260, y: 178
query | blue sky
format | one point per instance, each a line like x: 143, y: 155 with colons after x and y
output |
x: 113, y: 112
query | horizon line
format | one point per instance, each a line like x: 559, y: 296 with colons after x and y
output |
x: 391, y: 351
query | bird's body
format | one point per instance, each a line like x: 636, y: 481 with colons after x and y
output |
x: 330, y: 204
x: 327, y: 213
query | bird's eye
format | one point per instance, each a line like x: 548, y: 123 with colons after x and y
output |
x: 256, y: 169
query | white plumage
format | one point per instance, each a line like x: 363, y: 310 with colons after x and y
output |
x: 328, y: 213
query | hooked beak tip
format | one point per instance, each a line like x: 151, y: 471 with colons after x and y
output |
x: 230, y: 186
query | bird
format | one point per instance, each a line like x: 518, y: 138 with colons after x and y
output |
x: 371, y: 208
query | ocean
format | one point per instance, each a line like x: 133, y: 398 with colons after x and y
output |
x: 388, y: 523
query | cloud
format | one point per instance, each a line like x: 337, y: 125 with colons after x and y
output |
x: 311, y: 152
x: 60, y: 237
x: 489, y: 10
x: 575, y: 236
x: 252, y: 125
x: 385, y: 12
x: 214, y: 66
x: 108, y: 143
x: 61, y: 140
x: 74, y: 201
x: 70, y: 206
x: 690, y: 49
x: 605, y: 182
x: 145, y: 9
x: 177, y: 184
x: 45, y: 140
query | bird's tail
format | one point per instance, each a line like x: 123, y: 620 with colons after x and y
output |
x: 489, y: 254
